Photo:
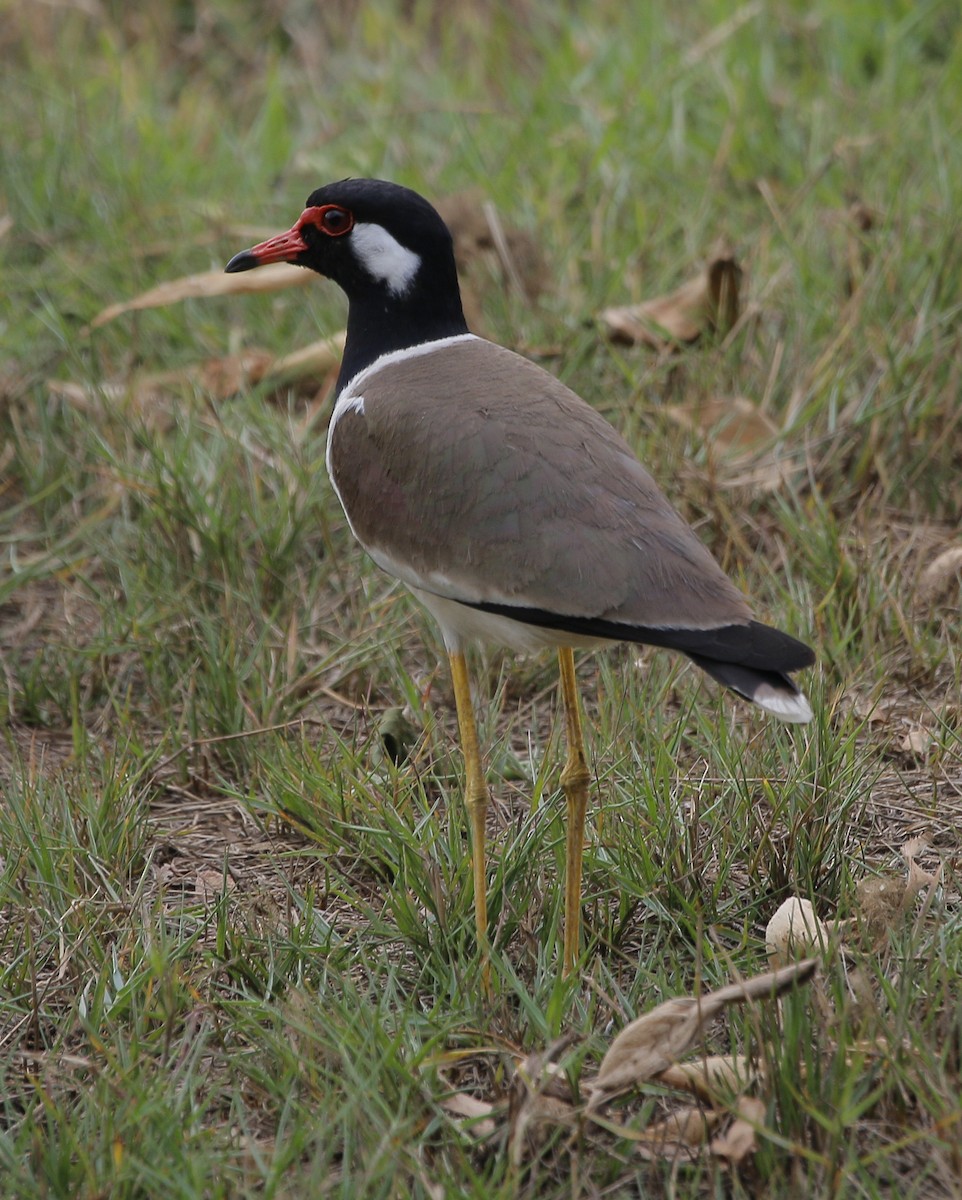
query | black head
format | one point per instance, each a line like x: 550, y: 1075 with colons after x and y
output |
x: 367, y: 235
x: 390, y: 252
x: 363, y: 234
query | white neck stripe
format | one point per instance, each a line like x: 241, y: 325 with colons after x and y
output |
x: 397, y: 356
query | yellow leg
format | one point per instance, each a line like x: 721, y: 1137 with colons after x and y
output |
x: 574, y: 782
x: 476, y: 799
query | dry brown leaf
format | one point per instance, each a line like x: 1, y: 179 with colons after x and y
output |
x: 397, y: 734
x: 859, y: 221
x: 226, y: 376
x: 650, y: 1044
x: 861, y: 216
x: 917, y: 742
x: 315, y: 359
x: 271, y: 278
x: 941, y: 580
x: 480, y: 235
x: 724, y: 290
x: 540, y: 1097
x: 489, y: 251
x: 682, y: 1131
x: 541, y: 1072
x: 222, y: 377
x: 209, y: 884
x: 87, y: 397
x: 472, y: 1115
x: 862, y: 1007
x: 710, y: 1078
x: 708, y: 301
x: 738, y: 1141
x: 230, y: 374
x: 916, y: 878
x: 531, y: 1121
x: 880, y: 902
x: 884, y: 900
x: 795, y: 928
x: 911, y: 849
x: 735, y: 426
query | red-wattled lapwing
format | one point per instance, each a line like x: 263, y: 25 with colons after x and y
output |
x: 511, y: 509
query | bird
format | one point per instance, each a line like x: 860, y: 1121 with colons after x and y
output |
x: 512, y: 510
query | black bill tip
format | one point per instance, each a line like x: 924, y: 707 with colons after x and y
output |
x: 245, y: 261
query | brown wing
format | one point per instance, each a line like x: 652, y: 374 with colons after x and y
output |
x: 487, y: 479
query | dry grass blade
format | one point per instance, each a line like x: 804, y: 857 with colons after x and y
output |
x: 708, y: 301
x: 646, y: 1047
x: 272, y: 278
x: 721, y: 33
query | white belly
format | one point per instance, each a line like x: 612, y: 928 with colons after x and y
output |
x: 462, y: 625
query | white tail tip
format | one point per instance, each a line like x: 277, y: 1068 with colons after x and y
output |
x: 787, y: 706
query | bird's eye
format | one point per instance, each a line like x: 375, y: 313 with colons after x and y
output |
x: 336, y: 221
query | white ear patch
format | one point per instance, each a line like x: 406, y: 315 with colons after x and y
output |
x: 384, y: 258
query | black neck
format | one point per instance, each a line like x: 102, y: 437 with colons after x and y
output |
x: 378, y: 323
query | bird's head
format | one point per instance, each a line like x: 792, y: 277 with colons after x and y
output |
x: 368, y: 235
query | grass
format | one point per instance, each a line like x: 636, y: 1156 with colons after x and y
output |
x: 236, y: 940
